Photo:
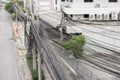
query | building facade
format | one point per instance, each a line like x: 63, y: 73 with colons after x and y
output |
x: 93, y: 9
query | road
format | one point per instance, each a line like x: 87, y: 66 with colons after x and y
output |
x: 8, y: 63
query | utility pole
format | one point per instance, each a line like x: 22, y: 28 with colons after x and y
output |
x: 33, y: 50
x: 32, y: 9
x: 34, y: 57
x: 39, y: 66
x: 61, y: 25
x: 38, y: 9
x: 39, y: 52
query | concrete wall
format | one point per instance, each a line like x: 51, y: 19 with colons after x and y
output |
x: 45, y: 5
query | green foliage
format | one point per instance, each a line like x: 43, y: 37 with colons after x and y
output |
x: 34, y: 73
x: 43, y: 75
x: 75, y: 45
x: 21, y: 4
x: 9, y: 8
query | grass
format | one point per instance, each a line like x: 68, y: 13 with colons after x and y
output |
x: 34, y: 73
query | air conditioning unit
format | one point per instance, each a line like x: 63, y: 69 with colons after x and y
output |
x: 114, y: 16
x: 99, y: 17
x: 92, y: 17
x: 106, y: 17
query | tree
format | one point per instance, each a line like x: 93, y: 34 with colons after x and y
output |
x: 75, y: 44
x: 9, y: 8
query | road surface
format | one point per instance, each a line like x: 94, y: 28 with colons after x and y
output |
x: 8, y: 63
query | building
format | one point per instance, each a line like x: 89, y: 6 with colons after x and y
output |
x: 82, y: 9
x: 93, y: 9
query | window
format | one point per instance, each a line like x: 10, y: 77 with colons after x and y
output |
x: 71, y: 0
x: 86, y: 15
x: 110, y: 16
x: 112, y: 0
x: 63, y: 0
x: 56, y: 2
x: 71, y: 16
x: 67, y: 0
x: 88, y: 0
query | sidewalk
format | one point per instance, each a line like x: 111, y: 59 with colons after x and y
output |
x: 18, y: 37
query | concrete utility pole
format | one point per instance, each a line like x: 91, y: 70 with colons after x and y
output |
x: 34, y: 57
x: 39, y: 66
x: 39, y: 57
x: 32, y: 17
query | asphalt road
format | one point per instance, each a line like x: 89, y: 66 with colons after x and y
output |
x: 8, y: 63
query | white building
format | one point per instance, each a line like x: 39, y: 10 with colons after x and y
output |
x: 82, y: 9
x: 93, y: 9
